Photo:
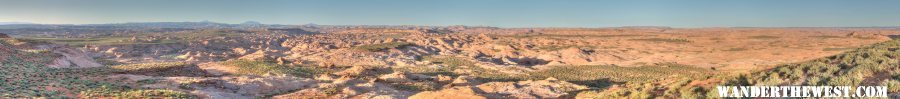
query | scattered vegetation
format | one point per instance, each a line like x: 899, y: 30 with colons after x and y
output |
x: 455, y: 63
x: 599, y: 76
x: 865, y: 37
x: 253, y: 67
x: 127, y: 93
x: 836, y: 49
x: 259, y: 67
x: 595, y: 76
x: 150, y: 69
x: 388, y: 36
x: 863, y: 66
x: 23, y: 75
x: 14, y: 41
x: 107, y: 62
x: 149, y: 66
x: 450, y: 63
x: 417, y: 86
x: 382, y: 46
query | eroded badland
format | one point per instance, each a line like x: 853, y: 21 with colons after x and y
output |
x: 211, y: 60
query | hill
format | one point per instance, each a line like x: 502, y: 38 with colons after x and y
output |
x: 875, y: 65
x: 25, y: 75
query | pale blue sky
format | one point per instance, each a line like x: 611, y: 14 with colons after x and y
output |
x: 502, y: 13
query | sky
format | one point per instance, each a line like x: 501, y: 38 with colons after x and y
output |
x: 500, y: 13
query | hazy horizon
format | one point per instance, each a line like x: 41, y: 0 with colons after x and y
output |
x: 701, y: 13
x: 32, y: 23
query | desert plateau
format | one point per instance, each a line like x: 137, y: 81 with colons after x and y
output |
x: 215, y: 60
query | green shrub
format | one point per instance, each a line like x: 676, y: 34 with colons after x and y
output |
x: 149, y: 66
x: 382, y: 46
x: 836, y: 49
x: 107, y: 92
x: 449, y: 64
x: 621, y: 74
x: 23, y: 75
x: 253, y: 67
x: 893, y: 85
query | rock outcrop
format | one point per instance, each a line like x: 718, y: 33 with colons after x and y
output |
x: 72, y: 59
x: 464, y: 92
x: 549, y: 88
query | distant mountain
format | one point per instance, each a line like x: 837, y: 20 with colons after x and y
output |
x: 251, y: 23
x: 145, y: 25
x: 169, y: 25
x: 7, y: 23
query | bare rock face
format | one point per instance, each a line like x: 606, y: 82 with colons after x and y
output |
x: 574, y: 56
x: 241, y: 51
x: 443, y: 79
x: 218, y: 69
x: 72, y: 59
x: 396, y: 77
x: 463, y: 81
x: 449, y: 93
x: 401, y: 77
x: 549, y: 88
